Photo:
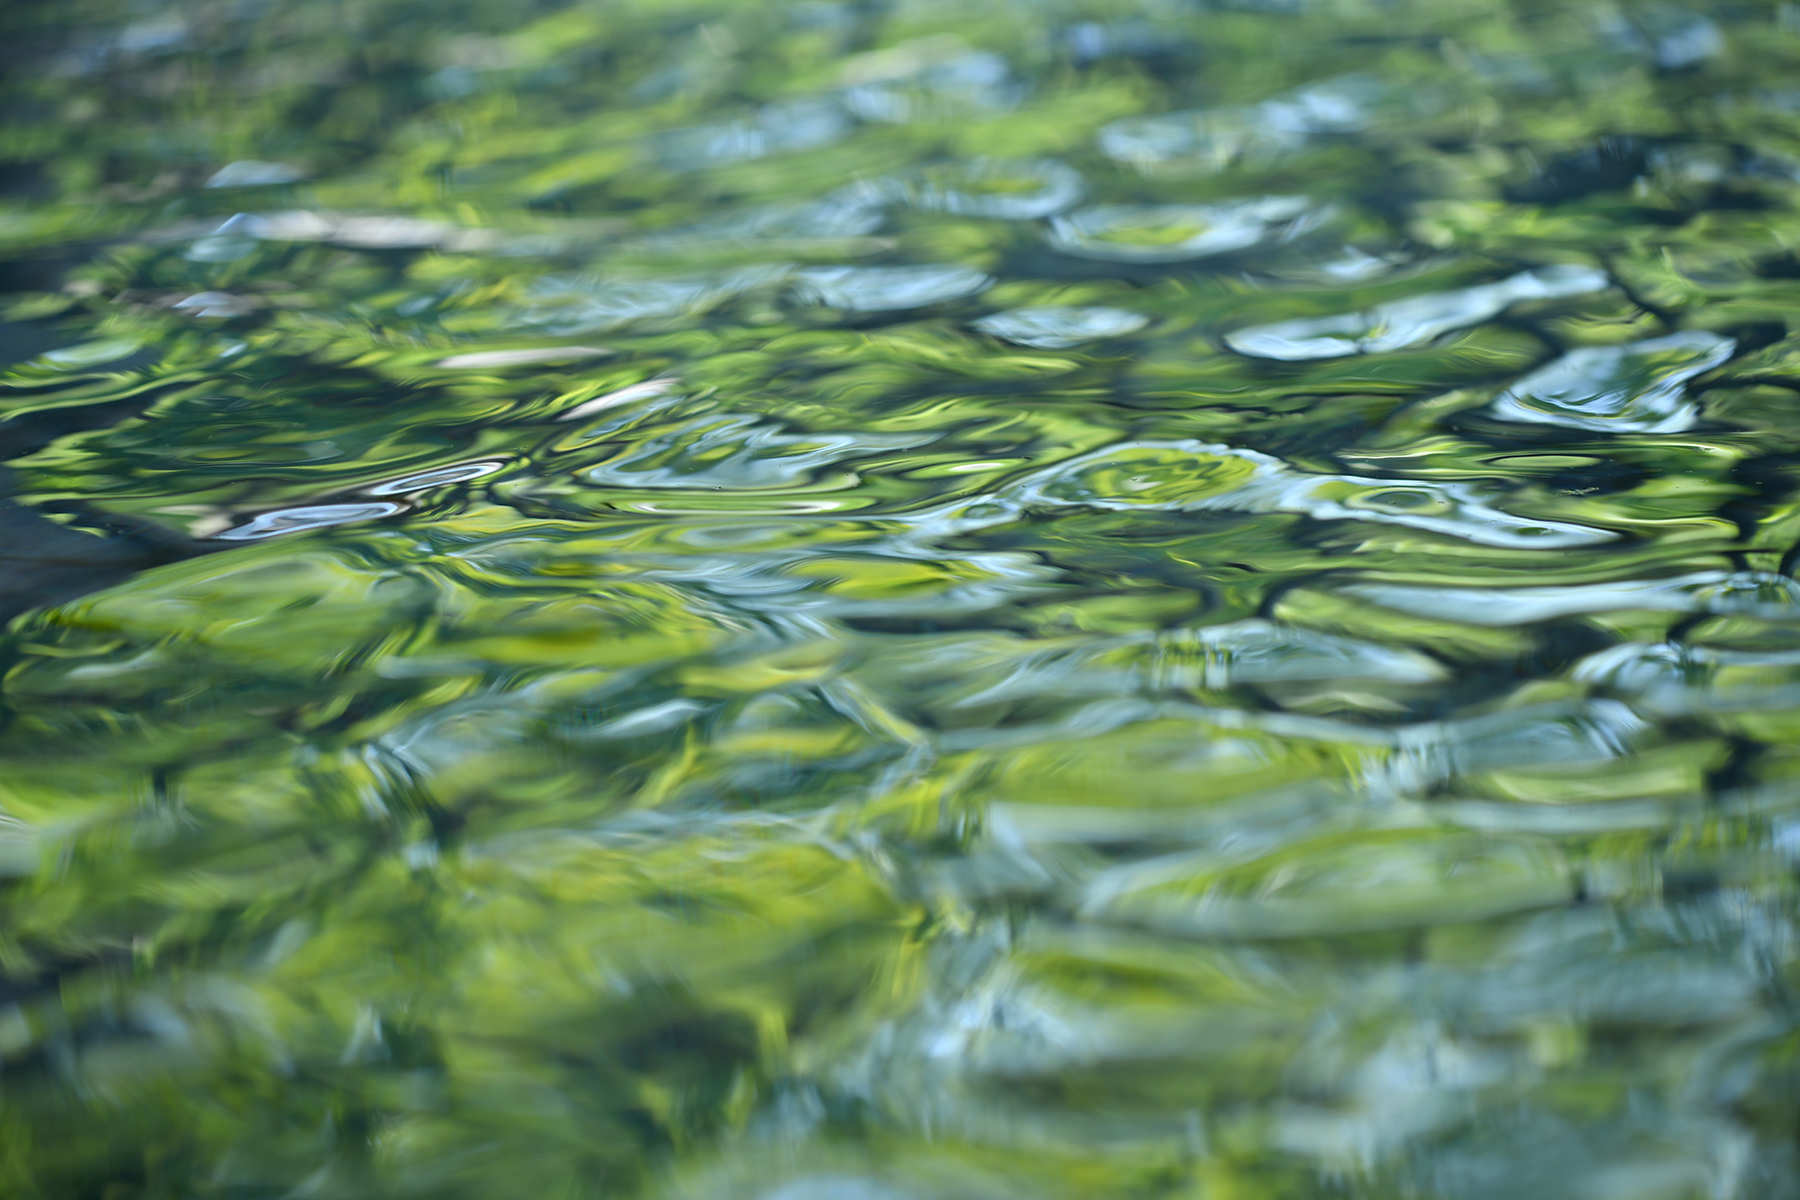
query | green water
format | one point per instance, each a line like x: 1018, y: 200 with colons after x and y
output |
x: 898, y: 600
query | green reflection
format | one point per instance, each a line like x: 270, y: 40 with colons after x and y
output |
x: 898, y: 600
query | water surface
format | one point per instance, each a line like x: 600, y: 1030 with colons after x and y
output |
x: 899, y: 600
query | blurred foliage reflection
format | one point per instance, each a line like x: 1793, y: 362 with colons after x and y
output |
x: 885, y: 599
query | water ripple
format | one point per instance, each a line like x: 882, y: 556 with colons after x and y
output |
x: 1197, y: 476
x: 1774, y: 596
x: 780, y: 128
x: 1177, y: 233
x: 1014, y: 190
x: 888, y: 289
x: 1058, y: 328
x: 1412, y: 321
x: 1640, y: 387
x: 900, y: 600
x: 1214, y: 138
x: 298, y: 520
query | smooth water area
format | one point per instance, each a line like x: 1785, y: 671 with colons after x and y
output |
x: 900, y: 600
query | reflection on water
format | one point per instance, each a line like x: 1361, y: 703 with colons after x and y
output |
x: 884, y: 601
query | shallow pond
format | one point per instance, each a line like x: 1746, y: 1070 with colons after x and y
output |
x: 896, y: 600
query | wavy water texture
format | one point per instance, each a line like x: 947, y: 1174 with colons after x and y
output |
x: 1411, y: 321
x: 900, y: 601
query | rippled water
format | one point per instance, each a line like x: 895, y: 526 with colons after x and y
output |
x: 896, y: 600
